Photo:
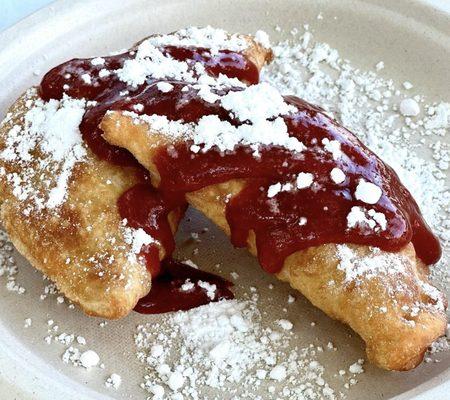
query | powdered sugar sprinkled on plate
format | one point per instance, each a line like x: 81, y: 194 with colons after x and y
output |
x: 8, y: 266
x: 226, y: 347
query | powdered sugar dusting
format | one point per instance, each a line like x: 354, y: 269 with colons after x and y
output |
x: 207, y: 37
x: 263, y: 124
x: 227, y: 346
x: 52, y: 129
x: 259, y: 107
x: 161, y: 124
x: 211, y: 132
x: 8, y: 266
x: 150, y: 61
x: 359, y: 269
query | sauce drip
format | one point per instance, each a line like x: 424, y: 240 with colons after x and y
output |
x: 167, y: 294
x: 144, y: 207
x: 276, y: 221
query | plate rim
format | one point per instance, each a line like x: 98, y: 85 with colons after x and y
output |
x: 12, y: 365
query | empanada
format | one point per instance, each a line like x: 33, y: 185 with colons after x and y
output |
x: 313, y: 203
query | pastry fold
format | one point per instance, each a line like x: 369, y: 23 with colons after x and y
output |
x: 385, y: 297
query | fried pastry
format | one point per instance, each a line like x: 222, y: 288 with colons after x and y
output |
x: 76, y: 207
x: 316, y: 207
x: 60, y: 210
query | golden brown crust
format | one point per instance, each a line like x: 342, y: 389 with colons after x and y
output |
x: 380, y: 308
x: 258, y: 54
x: 394, y: 308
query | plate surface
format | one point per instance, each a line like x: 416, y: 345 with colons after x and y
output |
x: 413, y: 40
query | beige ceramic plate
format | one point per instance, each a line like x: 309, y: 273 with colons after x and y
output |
x: 412, y: 38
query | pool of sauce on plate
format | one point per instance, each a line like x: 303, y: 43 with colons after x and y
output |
x: 167, y: 292
x: 276, y: 221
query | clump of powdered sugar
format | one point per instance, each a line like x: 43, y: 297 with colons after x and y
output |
x: 137, y: 238
x: 149, y: 60
x: 52, y: 129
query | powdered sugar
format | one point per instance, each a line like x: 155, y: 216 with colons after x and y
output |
x: 98, y: 61
x: 114, y: 381
x: 212, y: 132
x: 174, y: 366
x: 278, y: 373
x: 262, y: 38
x: 367, y: 192
x: 337, y: 175
x: 357, y: 368
x: 8, y: 266
x: 409, y: 107
x: 256, y: 102
x: 273, y: 190
x: 358, y: 269
x: 209, y: 288
x: 332, y: 146
x: 151, y: 62
x: 259, y: 107
x: 164, y: 87
x: 89, y: 359
x: 207, y: 37
x: 161, y: 124
x: 137, y: 238
x: 263, y: 124
x: 303, y: 180
x: 361, y: 218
